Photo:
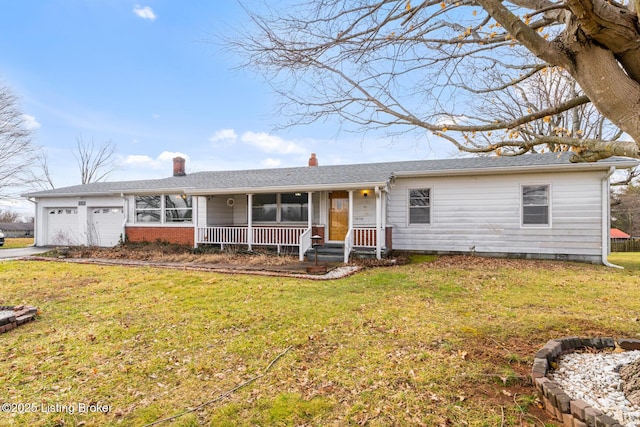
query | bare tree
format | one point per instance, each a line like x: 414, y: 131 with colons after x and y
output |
x: 95, y: 162
x: 17, y: 151
x: 431, y: 66
x: 8, y: 216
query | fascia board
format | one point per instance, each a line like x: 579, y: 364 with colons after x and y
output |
x: 575, y: 167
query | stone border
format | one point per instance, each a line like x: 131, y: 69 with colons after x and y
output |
x: 13, y: 316
x: 572, y: 413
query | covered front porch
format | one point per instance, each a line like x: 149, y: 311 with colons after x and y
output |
x: 295, y: 221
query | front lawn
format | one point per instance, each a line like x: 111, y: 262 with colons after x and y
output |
x: 17, y: 242
x: 445, y: 342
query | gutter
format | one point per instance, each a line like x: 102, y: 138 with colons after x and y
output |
x: 572, y: 167
x: 606, y: 206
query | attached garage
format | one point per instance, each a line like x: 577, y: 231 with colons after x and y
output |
x: 88, y: 221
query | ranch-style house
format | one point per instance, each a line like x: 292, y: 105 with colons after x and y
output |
x: 532, y: 206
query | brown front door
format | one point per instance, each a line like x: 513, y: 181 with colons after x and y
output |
x: 338, y: 215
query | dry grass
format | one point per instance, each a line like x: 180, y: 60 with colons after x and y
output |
x: 437, y: 343
x: 182, y: 254
x: 17, y: 242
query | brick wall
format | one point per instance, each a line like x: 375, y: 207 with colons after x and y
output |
x: 177, y: 235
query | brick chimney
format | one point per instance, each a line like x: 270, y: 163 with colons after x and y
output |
x: 178, y: 166
x: 313, y: 160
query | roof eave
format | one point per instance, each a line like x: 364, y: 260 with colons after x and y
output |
x: 573, y: 167
x: 287, y: 188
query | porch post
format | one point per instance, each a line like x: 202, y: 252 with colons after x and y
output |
x: 383, y: 212
x: 249, y: 220
x: 378, y: 221
x: 309, y: 209
x: 195, y: 218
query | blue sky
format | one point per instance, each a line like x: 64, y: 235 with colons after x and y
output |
x: 150, y: 77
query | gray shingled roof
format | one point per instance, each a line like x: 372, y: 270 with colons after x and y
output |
x: 337, y: 176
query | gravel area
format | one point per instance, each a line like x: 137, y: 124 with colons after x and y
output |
x: 594, y: 378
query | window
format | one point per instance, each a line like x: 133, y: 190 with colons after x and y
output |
x: 148, y: 208
x: 178, y: 208
x: 168, y: 208
x: 420, y: 206
x: 294, y: 207
x: 265, y: 207
x: 535, y: 205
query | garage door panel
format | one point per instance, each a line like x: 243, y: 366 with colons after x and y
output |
x: 105, y: 226
x: 63, y: 227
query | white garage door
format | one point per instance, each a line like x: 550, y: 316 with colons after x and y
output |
x: 105, y: 226
x: 63, y: 227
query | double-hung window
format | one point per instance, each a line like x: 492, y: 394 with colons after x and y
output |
x: 164, y: 209
x: 178, y: 208
x: 294, y: 207
x: 420, y: 206
x: 265, y: 208
x: 535, y: 205
x: 148, y: 208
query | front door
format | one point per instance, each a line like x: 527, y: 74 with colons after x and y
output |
x: 338, y: 215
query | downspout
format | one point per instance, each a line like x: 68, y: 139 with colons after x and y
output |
x: 35, y: 221
x: 378, y: 194
x: 605, y: 218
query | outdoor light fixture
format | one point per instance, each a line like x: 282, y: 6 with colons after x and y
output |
x: 365, y: 194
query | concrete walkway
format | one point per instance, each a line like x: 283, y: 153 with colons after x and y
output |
x: 8, y: 254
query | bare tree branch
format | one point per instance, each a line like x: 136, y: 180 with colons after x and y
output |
x: 17, y: 151
x: 438, y: 67
x: 95, y: 162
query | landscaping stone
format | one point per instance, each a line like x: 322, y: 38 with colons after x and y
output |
x: 11, y: 317
x: 629, y: 344
x: 630, y: 374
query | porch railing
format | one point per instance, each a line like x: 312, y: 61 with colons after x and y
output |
x: 348, y: 245
x: 223, y: 235
x: 261, y: 236
x: 361, y: 237
x: 364, y: 237
x: 305, y: 243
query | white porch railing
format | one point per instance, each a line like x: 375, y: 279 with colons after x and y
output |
x: 365, y: 237
x: 222, y: 235
x: 361, y: 237
x: 305, y: 243
x: 262, y: 236
x: 348, y: 245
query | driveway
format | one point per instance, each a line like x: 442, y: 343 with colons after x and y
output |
x: 21, y: 252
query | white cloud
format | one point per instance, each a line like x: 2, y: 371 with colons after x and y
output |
x: 160, y: 162
x: 137, y: 159
x: 155, y: 116
x: 30, y: 122
x: 270, y: 143
x: 144, y: 12
x: 226, y: 135
x: 271, y: 163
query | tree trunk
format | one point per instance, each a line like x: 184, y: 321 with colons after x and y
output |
x: 599, y: 74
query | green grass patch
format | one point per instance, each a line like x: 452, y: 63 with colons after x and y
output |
x: 429, y: 343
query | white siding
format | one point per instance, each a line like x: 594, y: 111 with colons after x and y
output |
x: 219, y: 212
x: 483, y: 215
x: 364, y: 209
